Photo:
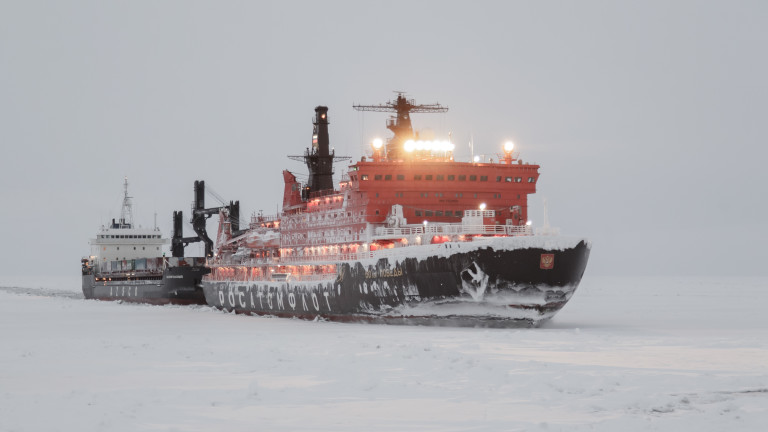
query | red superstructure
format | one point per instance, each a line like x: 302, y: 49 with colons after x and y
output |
x: 428, y: 184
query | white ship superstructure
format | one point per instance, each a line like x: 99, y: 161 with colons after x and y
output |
x: 122, y: 241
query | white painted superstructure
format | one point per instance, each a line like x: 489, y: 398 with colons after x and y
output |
x: 114, y: 244
x: 121, y: 241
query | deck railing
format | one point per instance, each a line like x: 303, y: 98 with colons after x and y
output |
x: 381, y: 233
x: 453, y: 229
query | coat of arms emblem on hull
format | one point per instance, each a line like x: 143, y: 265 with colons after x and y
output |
x: 547, y: 261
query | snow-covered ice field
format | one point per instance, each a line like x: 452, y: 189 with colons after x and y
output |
x: 625, y: 354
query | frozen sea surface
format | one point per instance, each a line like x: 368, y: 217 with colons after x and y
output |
x: 629, y: 354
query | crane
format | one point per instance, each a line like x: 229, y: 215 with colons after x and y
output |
x: 200, y: 215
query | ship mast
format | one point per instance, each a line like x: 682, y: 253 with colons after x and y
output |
x: 126, y: 213
x: 319, y: 158
x: 400, y: 123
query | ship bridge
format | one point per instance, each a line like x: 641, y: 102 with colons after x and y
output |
x: 440, y: 191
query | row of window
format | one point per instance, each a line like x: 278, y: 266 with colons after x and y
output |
x: 134, y: 248
x: 441, y: 177
x: 448, y: 213
x: 441, y: 195
x: 128, y: 236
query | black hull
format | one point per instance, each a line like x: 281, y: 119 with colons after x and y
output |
x: 174, y: 285
x: 494, y: 287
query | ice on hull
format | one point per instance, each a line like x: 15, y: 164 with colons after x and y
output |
x: 484, y: 286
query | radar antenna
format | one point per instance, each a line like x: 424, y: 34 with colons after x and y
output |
x: 400, y: 123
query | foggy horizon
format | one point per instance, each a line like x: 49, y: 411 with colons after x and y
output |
x: 647, y: 118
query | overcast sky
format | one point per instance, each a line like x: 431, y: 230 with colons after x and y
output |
x: 648, y: 118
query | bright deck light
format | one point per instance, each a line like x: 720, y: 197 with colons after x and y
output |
x: 482, y: 206
x: 377, y: 143
x: 434, y: 146
x: 509, y: 146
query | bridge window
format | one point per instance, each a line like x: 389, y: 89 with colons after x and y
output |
x: 462, y: 177
x: 483, y: 178
x: 451, y: 177
x: 377, y: 177
x: 428, y: 177
x: 518, y: 179
x: 498, y: 178
x: 531, y: 179
x: 472, y: 178
x: 439, y: 177
x: 365, y: 177
x: 388, y: 177
x: 438, y: 213
x: 400, y: 177
x: 508, y: 179
x: 428, y: 213
x: 417, y: 212
x: 417, y: 176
